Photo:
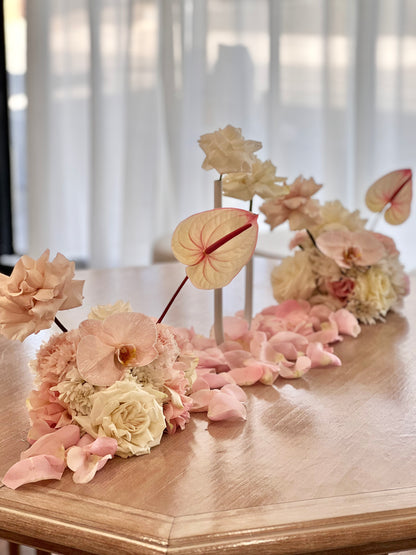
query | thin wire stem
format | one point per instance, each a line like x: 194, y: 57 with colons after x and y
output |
x: 60, y: 325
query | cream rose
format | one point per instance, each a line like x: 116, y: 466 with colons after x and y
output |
x: 101, y: 311
x: 293, y: 278
x: 129, y: 414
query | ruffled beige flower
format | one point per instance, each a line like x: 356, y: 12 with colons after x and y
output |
x: 261, y: 181
x: 129, y: 414
x: 296, y: 206
x: 293, y: 278
x: 227, y: 151
x: 333, y: 216
x: 33, y: 294
x: 101, y: 311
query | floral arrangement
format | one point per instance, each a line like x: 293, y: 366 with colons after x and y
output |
x: 118, y: 382
x: 338, y: 262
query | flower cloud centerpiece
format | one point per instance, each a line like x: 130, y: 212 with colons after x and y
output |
x: 121, y: 379
x: 115, y: 384
x: 337, y: 261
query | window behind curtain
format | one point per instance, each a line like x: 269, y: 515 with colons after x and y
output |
x: 6, y: 240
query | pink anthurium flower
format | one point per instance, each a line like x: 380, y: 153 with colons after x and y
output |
x: 348, y: 248
x: 215, y: 245
x: 107, y: 348
x: 394, y: 189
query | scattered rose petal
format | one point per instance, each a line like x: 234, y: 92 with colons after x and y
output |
x: 223, y: 406
x: 34, y: 469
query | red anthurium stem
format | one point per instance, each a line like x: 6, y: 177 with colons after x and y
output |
x: 172, y: 299
x: 60, y: 325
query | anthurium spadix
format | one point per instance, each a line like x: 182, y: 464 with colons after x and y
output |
x: 395, y: 191
x: 215, y: 245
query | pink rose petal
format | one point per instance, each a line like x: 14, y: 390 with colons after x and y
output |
x: 236, y: 391
x: 223, y: 406
x: 218, y: 380
x: 320, y: 356
x: 34, y: 469
x: 346, y: 322
x: 54, y: 443
x: 247, y: 375
x: 201, y: 399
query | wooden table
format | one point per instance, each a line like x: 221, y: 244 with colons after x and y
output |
x: 323, y: 464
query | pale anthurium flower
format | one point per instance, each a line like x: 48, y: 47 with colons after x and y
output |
x: 394, y: 189
x: 89, y: 456
x: 32, y: 295
x: 261, y: 181
x: 296, y: 206
x: 110, y: 347
x: 348, y: 249
x: 102, y: 311
x: 215, y: 245
x: 227, y: 151
x: 128, y: 413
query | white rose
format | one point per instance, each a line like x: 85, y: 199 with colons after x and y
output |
x: 128, y: 413
x: 293, y: 278
x: 102, y: 311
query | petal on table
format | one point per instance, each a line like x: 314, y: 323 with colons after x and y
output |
x: 34, y: 469
x: 223, y: 406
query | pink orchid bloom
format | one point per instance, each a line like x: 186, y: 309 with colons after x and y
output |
x: 109, y: 347
x: 215, y: 245
x: 394, y: 189
x: 89, y: 456
x: 348, y: 248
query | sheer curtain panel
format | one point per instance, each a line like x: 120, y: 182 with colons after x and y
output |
x: 120, y: 90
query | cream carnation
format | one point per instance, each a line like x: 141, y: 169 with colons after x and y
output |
x: 101, y: 311
x: 293, y: 278
x: 261, y: 181
x: 335, y: 217
x: 373, y: 295
x: 129, y: 414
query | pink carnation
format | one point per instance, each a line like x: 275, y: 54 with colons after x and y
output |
x: 57, y: 357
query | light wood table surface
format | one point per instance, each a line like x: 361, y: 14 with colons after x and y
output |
x: 326, y: 463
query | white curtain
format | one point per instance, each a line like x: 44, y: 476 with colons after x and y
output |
x: 120, y: 91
